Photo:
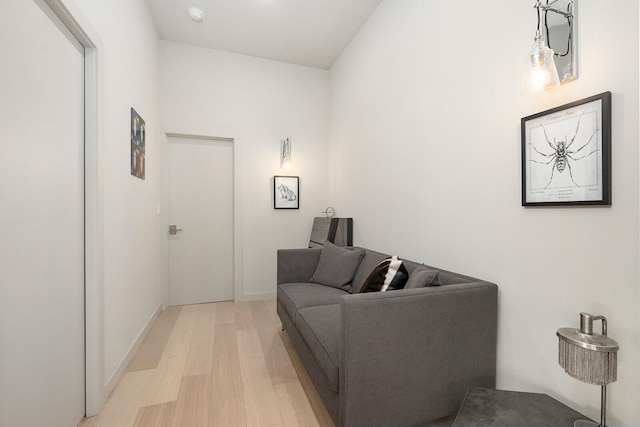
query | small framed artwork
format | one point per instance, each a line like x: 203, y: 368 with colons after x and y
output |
x: 566, y: 154
x: 138, y: 133
x: 286, y: 192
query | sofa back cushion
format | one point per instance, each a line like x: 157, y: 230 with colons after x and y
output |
x: 337, y: 266
x: 373, y: 258
x: 422, y: 277
x: 449, y: 278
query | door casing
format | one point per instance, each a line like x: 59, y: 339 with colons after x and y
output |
x: 73, y: 18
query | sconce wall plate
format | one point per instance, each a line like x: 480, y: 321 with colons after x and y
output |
x: 560, y: 27
x: 285, y: 154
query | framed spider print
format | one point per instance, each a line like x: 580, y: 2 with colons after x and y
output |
x: 566, y: 154
x: 286, y: 192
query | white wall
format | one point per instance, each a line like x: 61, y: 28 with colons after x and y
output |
x: 255, y: 102
x: 425, y: 155
x: 131, y: 226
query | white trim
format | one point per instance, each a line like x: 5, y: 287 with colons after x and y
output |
x: 238, y: 288
x: 94, y: 237
x: 256, y: 297
x: 128, y: 357
x: 72, y: 18
x: 238, y: 253
x: 68, y: 12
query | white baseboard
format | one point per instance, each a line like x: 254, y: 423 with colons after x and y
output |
x: 256, y: 297
x: 122, y: 366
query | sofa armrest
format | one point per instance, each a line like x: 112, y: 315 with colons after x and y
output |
x: 296, y: 265
x: 408, y: 356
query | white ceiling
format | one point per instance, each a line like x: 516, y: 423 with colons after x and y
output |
x: 304, y: 32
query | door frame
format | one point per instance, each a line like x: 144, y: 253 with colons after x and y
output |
x: 69, y: 13
x: 238, y: 294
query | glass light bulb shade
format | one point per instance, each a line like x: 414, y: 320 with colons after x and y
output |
x: 540, y: 71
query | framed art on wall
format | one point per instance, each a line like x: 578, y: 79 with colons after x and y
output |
x: 566, y: 154
x: 138, y: 133
x: 286, y: 192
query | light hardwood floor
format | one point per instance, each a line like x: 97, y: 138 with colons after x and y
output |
x: 221, y: 364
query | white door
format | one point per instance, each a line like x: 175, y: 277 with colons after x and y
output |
x: 42, y: 218
x: 200, y: 197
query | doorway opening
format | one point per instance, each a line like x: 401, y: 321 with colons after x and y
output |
x: 201, y: 231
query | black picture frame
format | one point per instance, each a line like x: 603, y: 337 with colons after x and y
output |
x: 286, y: 192
x: 566, y: 154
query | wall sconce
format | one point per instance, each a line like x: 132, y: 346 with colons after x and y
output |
x: 542, y: 62
x: 285, y: 154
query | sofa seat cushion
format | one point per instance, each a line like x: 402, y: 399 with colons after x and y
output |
x: 294, y: 296
x: 320, y: 328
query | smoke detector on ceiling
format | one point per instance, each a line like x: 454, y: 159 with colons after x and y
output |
x: 196, y: 14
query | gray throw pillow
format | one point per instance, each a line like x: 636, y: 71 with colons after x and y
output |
x: 337, y: 266
x: 422, y: 277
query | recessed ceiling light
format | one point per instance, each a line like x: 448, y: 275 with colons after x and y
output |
x: 196, y: 14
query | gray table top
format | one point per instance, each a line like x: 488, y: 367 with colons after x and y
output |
x: 488, y: 407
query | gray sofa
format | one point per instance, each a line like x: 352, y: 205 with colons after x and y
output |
x: 400, y: 357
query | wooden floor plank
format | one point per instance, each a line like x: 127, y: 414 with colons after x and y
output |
x: 153, y: 416
x: 271, y: 309
x: 121, y: 409
x: 193, y: 403
x: 227, y: 396
x: 225, y: 312
x: 200, y: 358
x: 200, y: 355
x: 171, y: 367
x: 260, y: 401
x: 149, y: 354
x: 244, y: 316
x: 281, y: 369
x: 294, y: 406
x: 310, y: 390
x: 205, y: 326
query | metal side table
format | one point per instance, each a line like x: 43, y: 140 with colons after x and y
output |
x: 487, y: 407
